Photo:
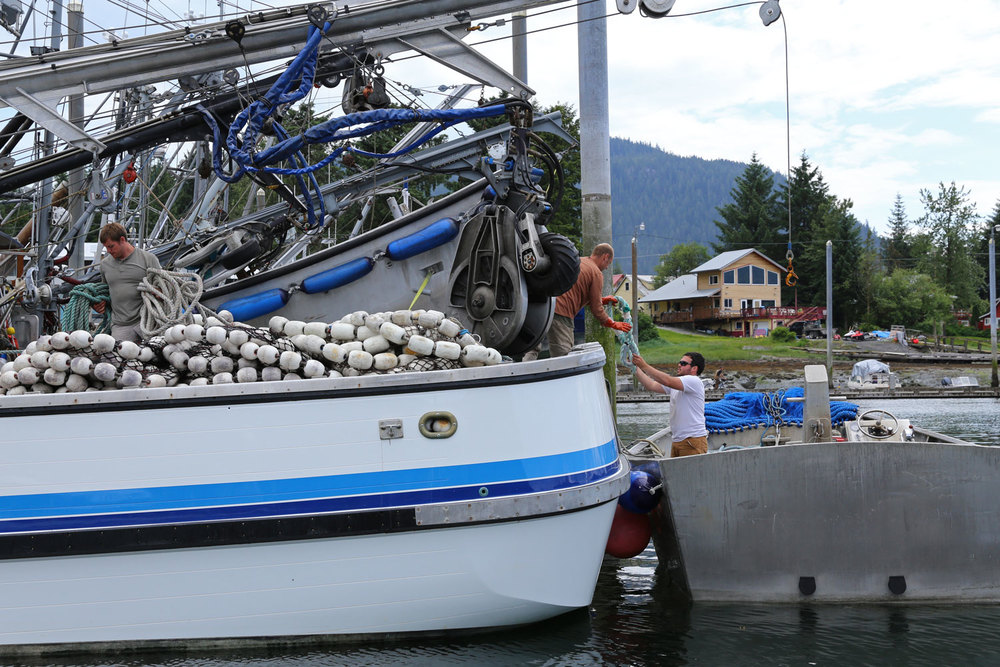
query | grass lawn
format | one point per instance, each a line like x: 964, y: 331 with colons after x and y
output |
x: 672, y: 345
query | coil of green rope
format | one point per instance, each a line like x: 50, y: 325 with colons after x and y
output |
x: 76, y: 313
x: 625, y: 338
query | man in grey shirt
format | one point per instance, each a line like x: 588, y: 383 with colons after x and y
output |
x: 123, y: 268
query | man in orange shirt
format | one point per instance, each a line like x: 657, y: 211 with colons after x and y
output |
x: 586, y: 292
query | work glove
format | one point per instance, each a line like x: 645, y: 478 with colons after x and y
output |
x: 609, y: 300
x: 620, y: 326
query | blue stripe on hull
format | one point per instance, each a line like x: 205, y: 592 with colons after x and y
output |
x: 309, y: 495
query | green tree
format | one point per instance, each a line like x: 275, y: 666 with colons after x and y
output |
x: 838, y: 225
x: 897, y: 250
x: 951, y: 222
x: 808, y: 196
x: 753, y: 219
x: 910, y: 298
x: 680, y: 260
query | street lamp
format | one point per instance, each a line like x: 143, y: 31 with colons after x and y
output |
x: 994, y: 380
x: 635, y: 279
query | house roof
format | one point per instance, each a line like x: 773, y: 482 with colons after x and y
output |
x: 685, y: 287
x: 723, y: 260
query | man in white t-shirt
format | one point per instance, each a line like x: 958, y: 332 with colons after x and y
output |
x: 687, y: 401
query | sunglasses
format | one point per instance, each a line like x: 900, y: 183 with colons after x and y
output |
x: 683, y: 363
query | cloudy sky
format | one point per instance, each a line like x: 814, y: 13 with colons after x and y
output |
x: 886, y: 96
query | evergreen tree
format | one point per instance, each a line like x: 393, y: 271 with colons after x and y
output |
x: 753, y: 218
x: 950, y: 220
x: 810, y: 201
x: 897, y: 247
x: 838, y: 225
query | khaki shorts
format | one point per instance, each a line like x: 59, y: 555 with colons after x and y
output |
x: 689, y: 447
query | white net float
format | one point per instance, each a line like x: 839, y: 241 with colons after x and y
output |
x: 342, y: 331
x: 59, y: 361
x: 420, y: 346
x: 43, y: 344
x: 402, y: 318
x: 334, y: 353
x: 40, y: 360
x: 360, y: 360
x: 225, y: 316
x: 130, y: 378
x: 475, y: 355
x: 384, y: 361
x: 28, y: 376
x: 375, y: 344
x: 221, y: 365
x: 80, y: 339
x: 293, y: 328
x: 315, y: 329
x: 313, y: 369
x: 268, y: 355
x: 22, y: 360
x: 31, y: 348
x: 449, y: 328
x: 447, y: 350
x: 249, y: 349
x: 194, y: 332
x: 237, y: 337
x: 357, y: 318
x: 174, y: 334
x: 59, y: 340
x: 104, y: 372
x: 222, y: 378
x: 247, y: 374
x: 81, y: 365
x: 215, y: 335
x: 53, y: 377
x: 8, y: 379
x: 394, y: 333
x: 276, y: 324
x: 198, y: 382
x: 197, y: 364
x: 179, y: 360
x: 41, y: 388
x: 290, y: 361
x: 271, y: 374
x: 430, y: 319
x: 128, y: 350
x: 363, y: 333
x: 76, y: 383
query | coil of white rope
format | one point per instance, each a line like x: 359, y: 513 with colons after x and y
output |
x: 168, y: 298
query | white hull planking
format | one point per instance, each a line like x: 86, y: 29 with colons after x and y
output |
x: 431, y: 580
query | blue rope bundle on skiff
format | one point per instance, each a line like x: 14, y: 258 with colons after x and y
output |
x: 742, y: 410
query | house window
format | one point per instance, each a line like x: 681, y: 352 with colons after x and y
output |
x: 713, y: 280
x: 758, y: 275
x: 743, y: 275
x: 767, y: 303
x: 772, y: 277
x: 728, y: 303
x: 626, y: 286
x: 729, y: 277
x: 715, y: 303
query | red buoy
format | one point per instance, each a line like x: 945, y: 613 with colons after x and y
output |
x: 630, y: 534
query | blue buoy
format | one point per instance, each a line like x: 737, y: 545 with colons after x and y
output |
x: 248, y: 307
x: 431, y: 236
x: 640, y: 497
x: 338, y: 276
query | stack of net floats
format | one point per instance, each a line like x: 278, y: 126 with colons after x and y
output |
x: 217, y: 350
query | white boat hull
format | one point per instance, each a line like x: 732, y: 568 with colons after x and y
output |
x: 305, y: 508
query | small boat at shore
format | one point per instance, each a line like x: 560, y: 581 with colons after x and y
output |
x: 872, y: 374
x: 873, y: 509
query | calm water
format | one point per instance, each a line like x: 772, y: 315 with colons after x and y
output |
x: 632, y: 622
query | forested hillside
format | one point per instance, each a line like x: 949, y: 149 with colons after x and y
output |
x: 676, y: 197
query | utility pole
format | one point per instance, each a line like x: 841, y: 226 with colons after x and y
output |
x: 994, y: 380
x: 74, y: 184
x: 829, y: 313
x: 595, y: 151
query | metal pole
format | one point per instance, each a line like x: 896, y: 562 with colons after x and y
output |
x: 75, y: 181
x: 829, y: 312
x: 595, y: 150
x: 994, y: 380
x: 519, y: 28
x: 635, y: 285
